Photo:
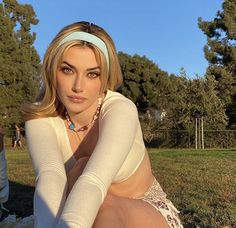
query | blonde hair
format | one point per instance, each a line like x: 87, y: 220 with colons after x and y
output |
x: 48, y: 104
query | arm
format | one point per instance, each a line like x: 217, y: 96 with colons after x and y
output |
x: 48, y: 164
x: 118, y: 125
x: 4, y: 185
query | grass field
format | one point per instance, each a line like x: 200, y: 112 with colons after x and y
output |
x: 201, y: 184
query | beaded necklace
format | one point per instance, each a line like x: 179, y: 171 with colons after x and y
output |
x: 71, y: 125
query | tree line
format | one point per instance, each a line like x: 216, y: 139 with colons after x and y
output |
x: 165, y: 101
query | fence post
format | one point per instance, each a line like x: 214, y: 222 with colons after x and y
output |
x: 196, y: 137
x: 199, y: 133
x: 202, y: 133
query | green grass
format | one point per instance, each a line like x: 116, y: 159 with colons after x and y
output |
x: 21, y: 179
x: 201, y: 184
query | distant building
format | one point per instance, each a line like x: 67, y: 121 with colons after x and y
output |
x: 154, y: 114
x: 159, y: 115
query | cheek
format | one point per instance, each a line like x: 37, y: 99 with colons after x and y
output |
x: 60, y: 85
x: 96, y: 87
x: 95, y: 90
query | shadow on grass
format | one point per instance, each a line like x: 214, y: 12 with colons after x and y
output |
x: 20, y: 200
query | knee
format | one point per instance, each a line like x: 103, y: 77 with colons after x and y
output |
x: 109, y: 214
x: 111, y: 207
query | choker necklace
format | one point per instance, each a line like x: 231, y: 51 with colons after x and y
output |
x: 71, y: 125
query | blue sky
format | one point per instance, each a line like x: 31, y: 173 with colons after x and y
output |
x: 165, y: 31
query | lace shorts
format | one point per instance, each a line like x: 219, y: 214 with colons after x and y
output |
x: 156, y: 197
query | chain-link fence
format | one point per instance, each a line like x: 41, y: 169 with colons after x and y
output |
x: 172, y: 139
x: 188, y: 139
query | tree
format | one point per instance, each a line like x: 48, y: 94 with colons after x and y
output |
x: 187, y: 100
x: 220, y: 52
x: 19, y: 61
x: 142, y: 79
x: 202, y: 100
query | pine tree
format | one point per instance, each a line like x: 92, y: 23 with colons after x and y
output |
x: 19, y: 61
x: 220, y: 52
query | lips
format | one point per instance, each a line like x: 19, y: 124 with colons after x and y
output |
x: 77, y: 99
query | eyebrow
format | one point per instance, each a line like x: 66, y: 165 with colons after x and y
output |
x: 89, y: 69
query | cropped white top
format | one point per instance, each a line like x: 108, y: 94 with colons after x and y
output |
x: 117, y: 155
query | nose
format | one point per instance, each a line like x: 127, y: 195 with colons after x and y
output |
x: 78, y: 84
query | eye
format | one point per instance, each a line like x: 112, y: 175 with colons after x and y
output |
x: 66, y: 70
x: 93, y: 74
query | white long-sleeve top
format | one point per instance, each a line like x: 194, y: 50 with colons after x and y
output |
x: 118, y: 153
x: 4, y: 184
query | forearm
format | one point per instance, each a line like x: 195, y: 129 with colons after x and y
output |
x: 49, y: 199
x: 81, y: 206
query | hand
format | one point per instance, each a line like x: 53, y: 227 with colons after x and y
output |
x: 75, y: 172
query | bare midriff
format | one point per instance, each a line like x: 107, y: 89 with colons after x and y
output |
x: 137, y: 184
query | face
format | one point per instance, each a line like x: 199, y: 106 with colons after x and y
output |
x: 78, y: 80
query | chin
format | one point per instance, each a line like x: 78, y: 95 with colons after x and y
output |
x: 74, y: 110
x: 77, y: 108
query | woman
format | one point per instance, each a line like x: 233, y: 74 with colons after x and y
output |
x: 85, y: 140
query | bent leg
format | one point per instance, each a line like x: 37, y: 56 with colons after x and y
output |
x: 120, y: 212
x: 108, y: 218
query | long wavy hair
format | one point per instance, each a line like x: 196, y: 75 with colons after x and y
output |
x: 48, y: 103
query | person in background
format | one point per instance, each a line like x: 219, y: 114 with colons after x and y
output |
x: 85, y: 140
x: 4, y: 184
x: 17, y: 137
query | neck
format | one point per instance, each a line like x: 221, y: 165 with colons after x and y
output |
x: 90, y: 116
x: 83, y: 118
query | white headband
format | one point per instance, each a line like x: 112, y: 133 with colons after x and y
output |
x: 84, y: 36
